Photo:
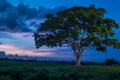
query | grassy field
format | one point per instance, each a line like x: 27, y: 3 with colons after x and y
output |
x: 28, y: 70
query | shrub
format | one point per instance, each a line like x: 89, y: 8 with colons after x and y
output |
x: 111, y: 62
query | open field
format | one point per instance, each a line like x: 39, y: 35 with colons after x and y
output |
x: 31, y: 70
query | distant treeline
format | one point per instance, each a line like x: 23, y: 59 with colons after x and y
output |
x: 107, y: 62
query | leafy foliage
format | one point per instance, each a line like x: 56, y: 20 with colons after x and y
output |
x: 111, y: 62
x: 79, y: 27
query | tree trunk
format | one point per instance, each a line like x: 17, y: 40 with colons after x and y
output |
x: 78, y: 58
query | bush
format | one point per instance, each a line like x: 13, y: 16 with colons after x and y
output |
x: 72, y: 62
x: 111, y: 62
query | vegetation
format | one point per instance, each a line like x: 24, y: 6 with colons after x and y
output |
x: 81, y: 28
x: 27, y: 70
x: 111, y: 62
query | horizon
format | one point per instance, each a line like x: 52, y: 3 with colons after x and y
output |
x: 17, y: 28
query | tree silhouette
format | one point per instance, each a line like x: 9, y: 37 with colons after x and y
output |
x: 81, y: 28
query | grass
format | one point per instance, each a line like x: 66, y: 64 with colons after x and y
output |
x: 31, y: 70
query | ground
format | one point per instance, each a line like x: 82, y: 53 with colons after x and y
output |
x: 32, y: 70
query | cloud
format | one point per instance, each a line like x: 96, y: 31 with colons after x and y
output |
x: 42, y: 51
x: 5, y: 35
x: 13, y: 43
x: 25, y: 10
x: 17, y: 39
x: 1, y: 43
x: 50, y: 10
x: 22, y: 43
x: 14, y: 18
x: 4, y: 5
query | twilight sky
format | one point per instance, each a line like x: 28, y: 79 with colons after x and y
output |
x: 20, y: 18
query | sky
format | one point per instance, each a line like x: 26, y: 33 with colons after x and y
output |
x: 20, y: 18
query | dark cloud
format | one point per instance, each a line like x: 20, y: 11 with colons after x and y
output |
x: 25, y: 10
x: 42, y: 12
x: 4, y: 5
x: 1, y: 43
x: 13, y: 18
x: 27, y: 35
x: 42, y: 51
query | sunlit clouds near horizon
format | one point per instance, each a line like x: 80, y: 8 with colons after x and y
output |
x: 19, y: 19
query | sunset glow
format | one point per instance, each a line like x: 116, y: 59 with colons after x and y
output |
x: 17, y: 26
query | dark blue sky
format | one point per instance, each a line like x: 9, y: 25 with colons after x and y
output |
x: 23, y: 43
x: 112, y: 6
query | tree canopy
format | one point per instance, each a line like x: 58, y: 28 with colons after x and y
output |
x: 79, y: 27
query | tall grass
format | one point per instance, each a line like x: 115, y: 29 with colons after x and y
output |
x: 27, y: 70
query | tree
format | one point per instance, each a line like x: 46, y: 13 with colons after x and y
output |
x: 81, y: 28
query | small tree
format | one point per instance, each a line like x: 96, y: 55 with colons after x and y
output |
x: 111, y: 62
x: 81, y: 28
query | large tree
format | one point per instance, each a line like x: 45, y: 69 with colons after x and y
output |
x: 81, y: 28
